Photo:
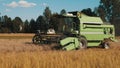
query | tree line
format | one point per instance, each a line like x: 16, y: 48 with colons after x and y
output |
x: 43, y: 22
x: 108, y: 10
x: 7, y: 25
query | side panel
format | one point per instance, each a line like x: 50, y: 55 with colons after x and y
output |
x: 69, y: 43
x: 92, y: 33
x: 96, y: 33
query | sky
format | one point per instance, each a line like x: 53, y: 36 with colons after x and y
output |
x: 31, y: 9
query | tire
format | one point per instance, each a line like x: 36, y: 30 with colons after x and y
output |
x: 36, y: 39
x: 105, y: 45
x: 83, y: 43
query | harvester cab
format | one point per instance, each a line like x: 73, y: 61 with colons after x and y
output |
x: 71, y: 24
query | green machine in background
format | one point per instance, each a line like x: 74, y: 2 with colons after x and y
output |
x: 82, y: 31
x: 78, y: 31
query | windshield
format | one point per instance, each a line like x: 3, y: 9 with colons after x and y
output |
x: 71, y: 23
x: 68, y: 24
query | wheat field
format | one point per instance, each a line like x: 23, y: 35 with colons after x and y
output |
x: 21, y: 53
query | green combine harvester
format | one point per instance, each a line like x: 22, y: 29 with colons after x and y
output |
x: 79, y: 31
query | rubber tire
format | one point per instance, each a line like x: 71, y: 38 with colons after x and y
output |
x: 83, y: 43
x: 36, y: 39
x: 105, y: 45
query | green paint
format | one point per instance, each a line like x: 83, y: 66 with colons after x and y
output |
x: 91, y: 28
x: 69, y: 43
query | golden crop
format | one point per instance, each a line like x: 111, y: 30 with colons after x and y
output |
x: 21, y: 53
x: 61, y: 59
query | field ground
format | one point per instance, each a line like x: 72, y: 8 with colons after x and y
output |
x: 17, y: 51
x: 15, y: 36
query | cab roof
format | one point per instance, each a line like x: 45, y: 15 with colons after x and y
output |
x: 83, y: 17
x: 86, y: 19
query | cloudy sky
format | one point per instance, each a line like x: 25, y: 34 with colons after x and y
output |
x: 27, y: 9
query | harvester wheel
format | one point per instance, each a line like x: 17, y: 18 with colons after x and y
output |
x: 83, y: 43
x: 105, y: 45
x: 36, y: 39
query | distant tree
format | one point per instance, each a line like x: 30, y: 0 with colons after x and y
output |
x: 110, y: 9
x: 0, y: 23
x: 101, y: 13
x: 17, y: 24
x: 47, y: 13
x: 26, y: 27
x: 6, y: 24
x: 88, y: 12
x: 9, y: 23
x: 0, y: 19
x: 41, y: 23
x: 63, y: 11
x: 54, y: 22
x: 15, y: 27
x: 32, y: 26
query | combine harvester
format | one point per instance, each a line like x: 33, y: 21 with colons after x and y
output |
x: 79, y: 31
